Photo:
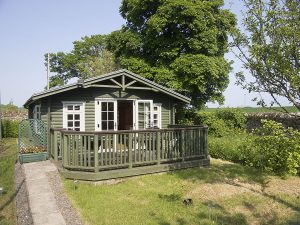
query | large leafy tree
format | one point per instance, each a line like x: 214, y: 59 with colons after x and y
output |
x: 270, y: 49
x: 177, y: 43
x: 88, y: 58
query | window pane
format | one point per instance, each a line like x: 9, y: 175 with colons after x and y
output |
x: 77, y: 129
x: 104, y: 116
x: 110, y: 116
x: 104, y: 125
x: 155, y: 108
x: 70, y: 107
x: 104, y: 106
x: 155, y: 116
x: 77, y: 116
x: 77, y: 107
x: 110, y: 125
x: 110, y: 106
x: 77, y: 123
x: 70, y: 123
x: 70, y: 116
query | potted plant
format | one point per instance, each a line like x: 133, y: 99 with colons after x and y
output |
x: 33, y: 154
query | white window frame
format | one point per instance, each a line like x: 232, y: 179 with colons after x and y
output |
x: 137, y: 111
x: 98, y: 113
x: 81, y: 112
x: 37, y: 115
x: 158, y: 105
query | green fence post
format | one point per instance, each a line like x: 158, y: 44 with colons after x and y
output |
x: 54, y: 145
x: 182, y: 144
x: 158, y: 146
x: 130, y: 151
x: 96, y: 146
x: 65, y: 150
x: 205, y: 143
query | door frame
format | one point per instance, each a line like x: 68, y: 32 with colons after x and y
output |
x: 136, y: 110
x: 98, y: 113
x: 135, y: 120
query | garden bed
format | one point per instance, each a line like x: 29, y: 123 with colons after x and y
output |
x: 33, y: 157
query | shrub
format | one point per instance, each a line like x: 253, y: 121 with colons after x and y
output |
x: 227, y: 148
x: 273, y: 148
x: 234, y: 118
x: 222, y: 122
x: 9, y: 128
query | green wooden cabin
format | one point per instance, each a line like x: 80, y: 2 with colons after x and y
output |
x: 114, y: 125
x: 120, y: 100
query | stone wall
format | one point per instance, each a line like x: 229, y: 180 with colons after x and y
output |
x: 14, y: 115
x: 288, y: 120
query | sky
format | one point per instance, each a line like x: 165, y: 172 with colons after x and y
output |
x: 31, y: 28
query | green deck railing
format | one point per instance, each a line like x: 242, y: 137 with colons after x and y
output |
x: 108, y: 150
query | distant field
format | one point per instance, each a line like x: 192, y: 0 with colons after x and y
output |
x: 257, y: 109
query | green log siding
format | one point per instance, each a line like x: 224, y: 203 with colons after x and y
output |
x: 89, y: 95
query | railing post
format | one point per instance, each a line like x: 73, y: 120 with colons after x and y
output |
x: 55, y: 146
x: 130, y: 151
x: 158, y: 147
x: 205, y: 142
x: 65, y: 149
x: 96, y: 160
x: 182, y: 144
x: 60, y: 144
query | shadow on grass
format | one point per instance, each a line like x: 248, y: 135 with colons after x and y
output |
x: 228, y: 173
x: 12, y: 197
x: 170, y: 198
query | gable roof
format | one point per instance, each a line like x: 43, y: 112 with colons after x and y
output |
x: 88, y: 82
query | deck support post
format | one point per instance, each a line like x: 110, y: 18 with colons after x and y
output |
x: 158, y: 147
x: 65, y: 150
x: 130, y: 151
x: 182, y: 145
x: 96, y: 153
x: 205, y: 143
x: 55, y: 146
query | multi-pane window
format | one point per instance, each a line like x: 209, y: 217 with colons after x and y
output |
x: 37, y: 112
x: 107, y: 115
x: 156, y: 115
x: 74, y: 116
x: 144, y: 115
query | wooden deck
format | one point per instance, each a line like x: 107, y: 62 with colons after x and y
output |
x: 114, y: 154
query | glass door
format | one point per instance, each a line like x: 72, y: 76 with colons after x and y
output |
x: 106, y: 115
x: 144, y: 115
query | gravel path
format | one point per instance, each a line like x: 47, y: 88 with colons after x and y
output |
x: 23, y: 210
x: 67, y: 210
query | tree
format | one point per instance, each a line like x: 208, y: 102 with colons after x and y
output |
x: 177, y: 43
x: 88, y: 58
x: 270, y: 49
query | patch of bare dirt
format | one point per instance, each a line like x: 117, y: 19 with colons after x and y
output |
x: 215, y: 191
x: 290, y: 186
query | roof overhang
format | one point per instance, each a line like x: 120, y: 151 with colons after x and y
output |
x: 91, y: 81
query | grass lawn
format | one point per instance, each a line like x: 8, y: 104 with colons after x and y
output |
x: 8, y: 156
x: 257, y: 109
x: 225, y: 193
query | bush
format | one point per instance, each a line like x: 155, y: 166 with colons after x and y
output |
x: 9, y: 128
x: 234, y: 118
x: 273, y: 148
x: 227, y: 148
x: 222, y: 122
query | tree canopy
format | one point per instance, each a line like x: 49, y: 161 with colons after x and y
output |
x: 176, y: 43
x: 88, y: 58
x: 270, y: 49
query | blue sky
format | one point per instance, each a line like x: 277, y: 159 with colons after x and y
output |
x: 31, y: 28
